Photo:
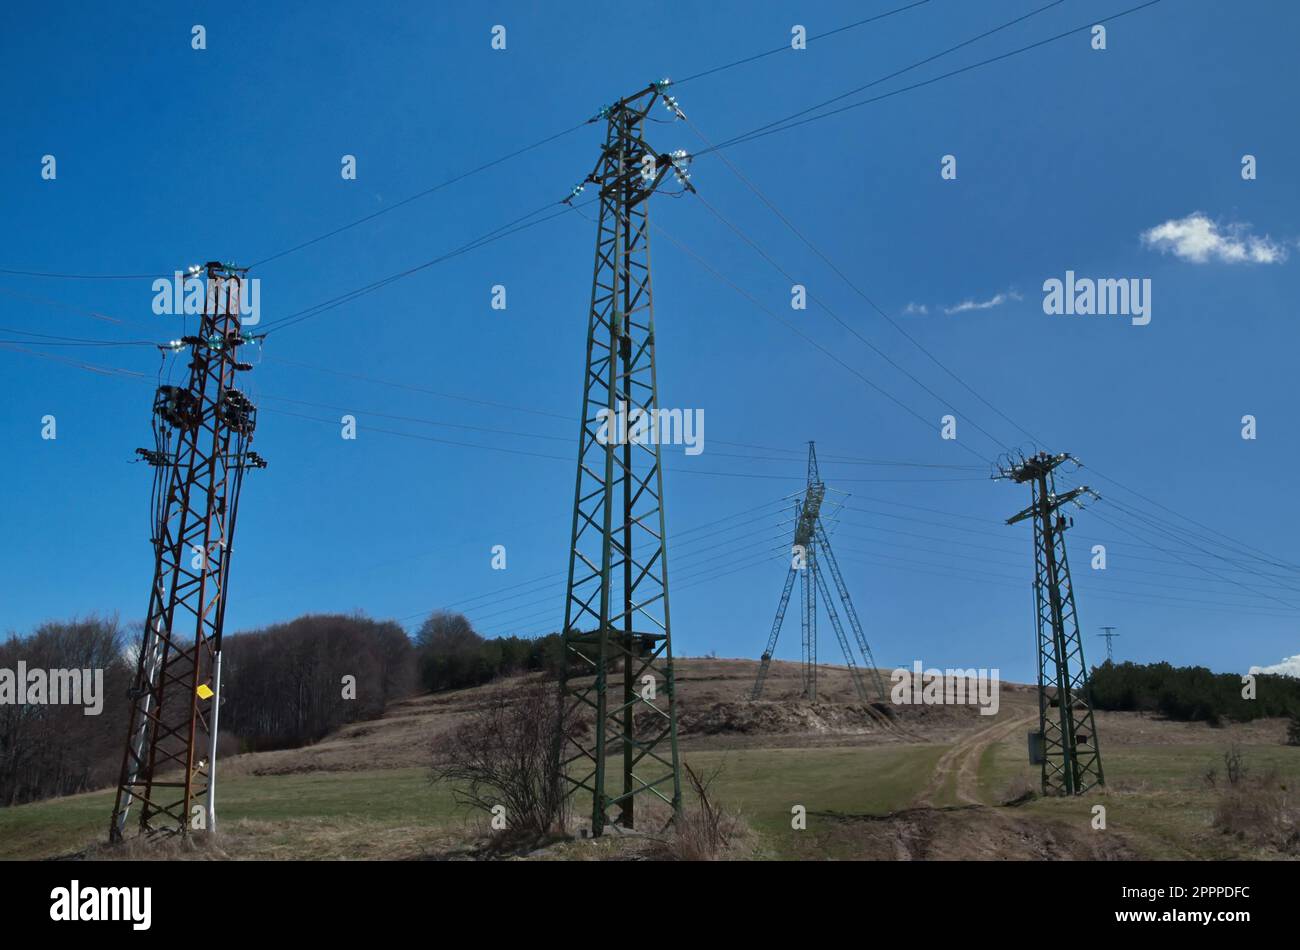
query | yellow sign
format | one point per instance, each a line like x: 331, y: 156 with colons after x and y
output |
x: 205, y: 692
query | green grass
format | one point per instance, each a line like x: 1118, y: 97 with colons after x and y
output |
x: 1156, y: 795
x: 762, y: 784
x: 395, y: 797
x: 765, y: 784
x: 1156, y: 798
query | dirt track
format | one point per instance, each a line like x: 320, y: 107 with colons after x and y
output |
x: 963, y: 760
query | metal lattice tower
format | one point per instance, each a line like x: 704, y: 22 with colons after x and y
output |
x: 1109, y: 636
x: 616, y: 616
x: 810, y: 546
x: 1067, y: 738
x: 202, y: 434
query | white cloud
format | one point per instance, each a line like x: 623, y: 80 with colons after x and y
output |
x: 916, y: 308
x: 1197, y: 239
x: 1290, y: 666
x: 995, y: 301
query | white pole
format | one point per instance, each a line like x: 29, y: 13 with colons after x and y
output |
x: 212, y: 750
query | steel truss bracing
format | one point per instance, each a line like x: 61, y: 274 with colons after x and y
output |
x: 618, y: 674
x: 202, y: 433
x: 1067, y: 746
x: 811, y: 545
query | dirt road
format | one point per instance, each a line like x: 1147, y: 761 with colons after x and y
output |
x: 963, y: 761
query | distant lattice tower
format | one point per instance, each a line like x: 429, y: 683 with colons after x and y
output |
x: 810, y: 547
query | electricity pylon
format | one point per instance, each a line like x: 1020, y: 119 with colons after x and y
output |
x: 1109, y: 636
x: 811, y: 544
x: 616, y: 616
x: 202, y: 433
x: 1066, y: 743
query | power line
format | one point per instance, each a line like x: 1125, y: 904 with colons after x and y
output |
x: 1199, y: 567
x: 835, y: 460
x: 425, y: 193
x: 559, y: 574
x: 45, y: 339
x: 804, y: 336
x: 66, y: 276
x: 496, y: 234
x: 842, y: 323
x: 79, y: 364
x: 860, y: 292
x: 764, y: 131
x: 905, y: 69
x: 1268, y: 559
x: 552, y: 138
x: 786, y: 47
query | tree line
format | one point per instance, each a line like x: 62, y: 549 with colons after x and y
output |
x: 451, y: 655
x: 49, y: 749
x: 284, y: 685
x: 1192, y: 693
x: 293, y: 683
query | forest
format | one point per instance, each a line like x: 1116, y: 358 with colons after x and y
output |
x: 1193, y: 693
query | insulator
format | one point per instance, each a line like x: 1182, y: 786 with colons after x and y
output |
x: 236, y: 412
x: 177, y: 407
x: 152, y: 456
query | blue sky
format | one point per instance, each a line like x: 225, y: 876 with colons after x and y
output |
x: 1066, y: 156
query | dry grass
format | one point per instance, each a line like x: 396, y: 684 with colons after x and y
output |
x: 1261, y: 811
x: 1021, y: 788
x: 706, y: 830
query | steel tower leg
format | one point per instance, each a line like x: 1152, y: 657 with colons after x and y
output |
x: 766, y: 662
x: 808, y: 589
x: 859, y: 686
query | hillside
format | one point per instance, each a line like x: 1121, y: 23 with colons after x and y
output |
x: 931, y: 787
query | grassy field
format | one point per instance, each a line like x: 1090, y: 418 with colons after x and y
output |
x: 1156, y: 795
x: 342, y: 814
x: 1156, y: 799
x: 364, y: 792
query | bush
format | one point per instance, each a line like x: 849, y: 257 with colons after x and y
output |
x: 509, y: 753
x: 705, y: 832
x: 1261, y: 812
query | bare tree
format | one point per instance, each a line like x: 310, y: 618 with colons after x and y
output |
x: 509, y: 753
x: 48, y: 749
